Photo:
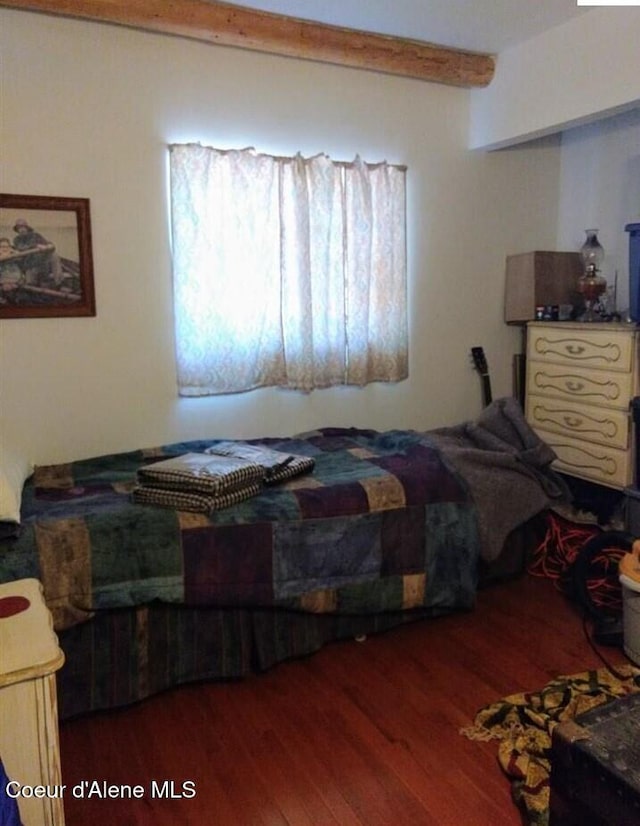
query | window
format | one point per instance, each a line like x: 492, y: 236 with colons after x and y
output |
x: 288, y: 272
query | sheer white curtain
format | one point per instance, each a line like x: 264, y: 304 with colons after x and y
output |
x: 287, y: 271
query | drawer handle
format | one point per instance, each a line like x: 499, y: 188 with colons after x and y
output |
x: 572, y: 421
x: 574, y: 386
x: 575, y: 349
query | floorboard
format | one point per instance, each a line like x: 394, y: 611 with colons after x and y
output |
x: 359, y: 734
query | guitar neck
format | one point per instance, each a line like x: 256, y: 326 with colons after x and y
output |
x: 486, y: 389
x: 480, y: 363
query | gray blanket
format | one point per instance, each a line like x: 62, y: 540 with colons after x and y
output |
x: 507, y: 467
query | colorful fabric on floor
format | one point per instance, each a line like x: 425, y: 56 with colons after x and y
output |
x: 524, y: 722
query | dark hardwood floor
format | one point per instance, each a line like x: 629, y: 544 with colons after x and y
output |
x: 360, y: 733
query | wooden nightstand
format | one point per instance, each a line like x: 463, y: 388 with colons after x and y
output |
x: 581, y: 378
x: 29, y: 745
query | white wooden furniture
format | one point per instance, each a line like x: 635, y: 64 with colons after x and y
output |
x: 29, y: 745
x: 581, y: 378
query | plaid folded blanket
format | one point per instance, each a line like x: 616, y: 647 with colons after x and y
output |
x: 277, y: 465
x: 201, y: 473
x: 185, y: 501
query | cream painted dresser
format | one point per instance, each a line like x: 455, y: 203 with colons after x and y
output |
x: 581, y: 378
x: 29, y: 744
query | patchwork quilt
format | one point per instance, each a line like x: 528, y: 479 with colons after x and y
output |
x: 380, y: 523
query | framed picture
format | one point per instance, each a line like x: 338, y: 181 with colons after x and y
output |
x: 46, y: 263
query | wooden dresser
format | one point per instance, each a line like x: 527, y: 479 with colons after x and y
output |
x: 581, y: 379
x: 29, y: 745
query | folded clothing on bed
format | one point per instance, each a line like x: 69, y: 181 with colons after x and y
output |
x: 277, y: 465
x: 198, y: 482
x: 191, y: 501
x: 201, y: 473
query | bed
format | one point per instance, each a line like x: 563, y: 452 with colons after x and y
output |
x: 388, y: 527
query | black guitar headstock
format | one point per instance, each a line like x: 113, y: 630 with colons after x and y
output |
x: 480, y: 361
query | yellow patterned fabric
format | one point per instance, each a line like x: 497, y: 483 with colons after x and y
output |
x: 524, y: 723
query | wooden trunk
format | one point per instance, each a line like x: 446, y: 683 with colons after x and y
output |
x: 595, y: 767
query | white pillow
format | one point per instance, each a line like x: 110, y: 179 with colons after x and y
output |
x: 14, y: 471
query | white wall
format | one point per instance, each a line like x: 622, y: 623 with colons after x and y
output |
x: 87, y: 111
x: 569, y: 75
x: 600, y: 188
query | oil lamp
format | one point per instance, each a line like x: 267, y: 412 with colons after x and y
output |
x: 591, y: 285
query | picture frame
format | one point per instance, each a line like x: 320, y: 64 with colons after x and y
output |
x: 46, y: 259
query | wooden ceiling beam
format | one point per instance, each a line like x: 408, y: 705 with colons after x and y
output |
x: 237, y: 26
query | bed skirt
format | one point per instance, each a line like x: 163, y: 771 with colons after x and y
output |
x: 124, y: 655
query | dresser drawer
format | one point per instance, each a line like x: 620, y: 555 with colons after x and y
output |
x: 581, y: 385
x: 587, y: 460
x: 606, y: 349
x: 604, y: 426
